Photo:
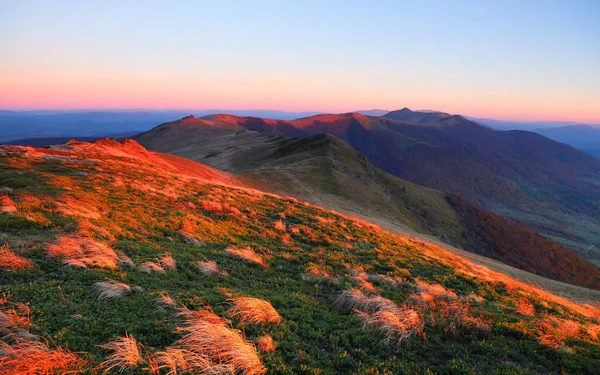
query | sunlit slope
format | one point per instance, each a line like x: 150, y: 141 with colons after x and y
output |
x: 116, y: 258
x: 548, y: 186
x: 325, y: 170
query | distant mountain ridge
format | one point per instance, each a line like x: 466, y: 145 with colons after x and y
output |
x: 325, y: 170
x: 530, y: 178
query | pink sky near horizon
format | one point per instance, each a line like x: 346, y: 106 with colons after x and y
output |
x: 346, y: 92
x: 509, y: 60
x: 61, y: 98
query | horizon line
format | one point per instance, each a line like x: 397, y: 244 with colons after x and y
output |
x: 224, y: 111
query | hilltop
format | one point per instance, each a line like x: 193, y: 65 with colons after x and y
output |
x: 120, y: 258
x: 324, y: 170
x: 550, y: 187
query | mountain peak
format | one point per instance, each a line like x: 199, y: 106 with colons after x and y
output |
x: 406, y: 114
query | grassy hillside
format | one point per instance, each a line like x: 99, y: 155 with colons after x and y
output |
x: 324, y: 170
x: 120, y: 259
x: 548, y: 186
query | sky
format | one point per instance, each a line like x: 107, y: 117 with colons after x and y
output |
x: 511, y: 60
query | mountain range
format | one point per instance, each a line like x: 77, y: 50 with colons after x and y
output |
x: 543, y: 184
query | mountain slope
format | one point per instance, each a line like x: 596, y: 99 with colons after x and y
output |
x: 324, y: 170
x: 583, y: 137
x: 110, y: 247
x: 548, y: 186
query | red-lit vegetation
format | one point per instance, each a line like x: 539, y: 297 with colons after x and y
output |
x: 345, y: 291
x: 253, y: 310
x: 495, y: 236
x: 83, y: 252
x: 248, y: 254
x: 9, y: 260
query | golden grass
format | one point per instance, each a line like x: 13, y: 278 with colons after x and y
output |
x: 266, y: 343
x: 73, y: 207
x: 378, y: 279
x: 393, y: 326
x: 177, y: 360
x: 525, y: 307
x: 361, y: 279
x: 210, y: 205
x: 167, y: 261
x: 24, y: 353
x: 15, y: 321
x: 149, y: 267
x: 248, y: 254
x: 430, y: 292
x: 83, y: 252
x: 279, y: 225
x: 7, y: 206
x: 11, y: 261
x: 315, y: 274
x: 254, y: 310
x: 357, y: 300
x: 205, y: 314
x: 24, y: 357
x: 166, y: 300
x: 224, y: 346
x: 209, y: 268
x: 454, y: 316
x: 126, y: 353
x: 110, y: 289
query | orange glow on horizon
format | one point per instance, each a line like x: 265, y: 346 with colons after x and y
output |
x: 105, y: 92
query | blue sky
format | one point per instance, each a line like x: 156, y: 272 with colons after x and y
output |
x: 503, y: 59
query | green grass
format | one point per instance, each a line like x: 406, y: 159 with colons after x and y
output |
x: 314, y: 337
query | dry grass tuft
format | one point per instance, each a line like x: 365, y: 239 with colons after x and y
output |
x: 362, y: 279
x: 149, y: 267
x: 83, y: 252
x: 378, y: 279
x: 428, y: 293
x: 126, y: 353
x: 254, y: 310
x: 247, y: 253
x: 394, y: 326
x: 357, y: 300
x: 224, y: 346
x: 214, y: 206
x: 24, y: 353
x: 7, y: 206
x: 11, y: 261
x: 314, y: 274
x: 554, y: 331
x: 177, y: 360
x: 266, y: 343
x: 453, y: 316
x: 525, y: 307
x: 110, y: 289
x: 15, y: 322
x: 167, y: 261
x: 209, y: 268
x: 166, y: 300
x: 279, y: 225
x: 205, y: 314
x: 35, y: 357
